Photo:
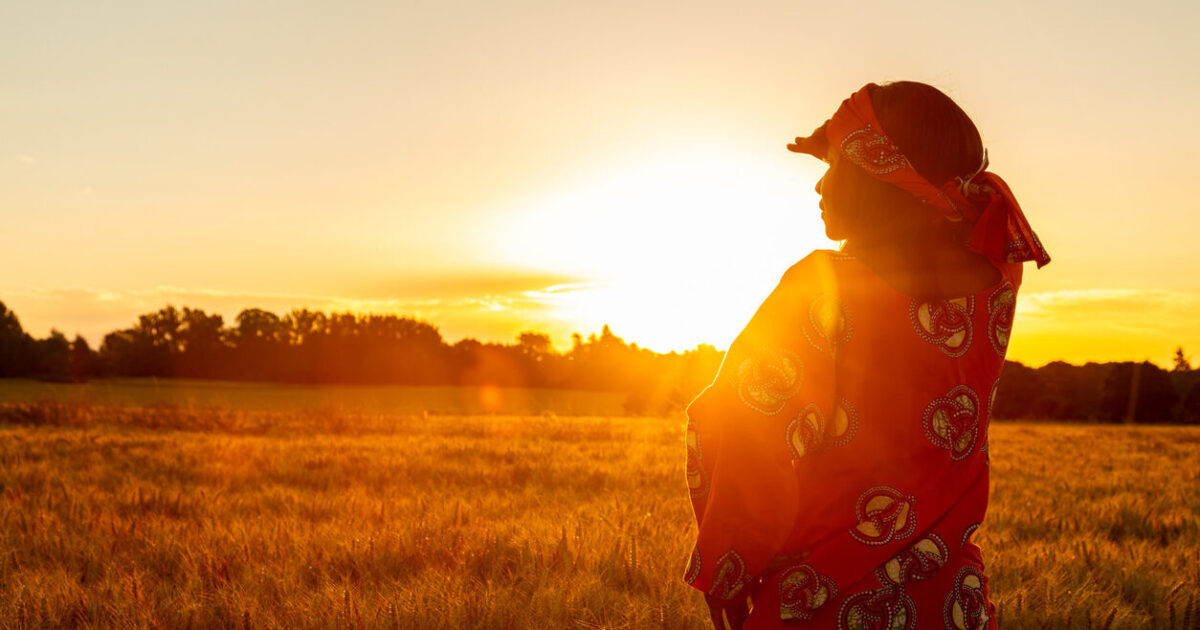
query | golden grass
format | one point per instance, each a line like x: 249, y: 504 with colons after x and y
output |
x: 206, y: 518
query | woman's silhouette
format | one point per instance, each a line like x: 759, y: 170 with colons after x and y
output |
x: 838, y: 463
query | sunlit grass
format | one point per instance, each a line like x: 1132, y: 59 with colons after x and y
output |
x: 204, y: 517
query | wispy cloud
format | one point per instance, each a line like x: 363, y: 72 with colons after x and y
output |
x: 1113, y: 296
x: 554, y: 293
x: 449, y: 285
x: 1105, y: 324
x: 1144, y: 305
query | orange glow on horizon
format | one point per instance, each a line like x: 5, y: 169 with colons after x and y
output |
x: 558, y: 167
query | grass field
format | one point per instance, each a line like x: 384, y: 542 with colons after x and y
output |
x: 248, y: 396
x: 197, y: 517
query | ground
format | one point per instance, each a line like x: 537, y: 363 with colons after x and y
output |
x: 197, y: 517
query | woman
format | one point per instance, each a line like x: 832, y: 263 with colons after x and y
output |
x: 838, y: 464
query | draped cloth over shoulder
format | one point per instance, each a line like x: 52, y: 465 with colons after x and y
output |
x: 837, y: 464
x: 999, y: 230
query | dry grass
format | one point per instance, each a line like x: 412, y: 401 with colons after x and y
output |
x: 202, y: 518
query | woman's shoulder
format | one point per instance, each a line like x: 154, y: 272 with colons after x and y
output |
x: 821, y: 265
x: 823, y: 273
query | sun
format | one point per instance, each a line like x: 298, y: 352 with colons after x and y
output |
x: 676, y: 247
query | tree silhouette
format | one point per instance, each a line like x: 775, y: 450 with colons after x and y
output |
x: 306, y: 346
x: 1149, y: 398
x: 202, y: 347
x: 84, y: 364
x: 149, y: 348
x: 1181, y: 361
x: 53, y: 358
x: 534, y: 344
x: 15, y: 345
x: 1190, y: 412
x: 1019, y: 387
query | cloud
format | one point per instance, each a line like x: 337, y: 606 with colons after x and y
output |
x: 1105, y: 325
x: 1112, y: 296
x: 1145, y: 307
x: 448, y: 285
x: 552, y: 294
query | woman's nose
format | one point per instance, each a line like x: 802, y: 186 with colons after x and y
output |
x: 818, y: 186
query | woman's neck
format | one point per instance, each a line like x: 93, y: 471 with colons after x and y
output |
x: 944, y: 270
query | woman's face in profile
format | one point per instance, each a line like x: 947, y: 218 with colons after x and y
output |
x: 831, y: 188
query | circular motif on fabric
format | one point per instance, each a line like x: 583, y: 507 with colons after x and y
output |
x: 693, y: 567
x: 729, y: 575
x: 944, y: 323
x: 952, y: 421
x: 872, y: 151
x: 829, y: 326
x: 802, y: 591
x: 810, y: 431
x: 966, y: 606
x: 917, y: 562
x: 768, y: 379
x: 806, y: 432
x: 884, y: 514
x: 697, y: 478
x: 844, y: 424
x: 1002, y: 304
x: 880, y: 609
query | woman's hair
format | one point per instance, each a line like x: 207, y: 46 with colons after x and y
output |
x: 940, y: 141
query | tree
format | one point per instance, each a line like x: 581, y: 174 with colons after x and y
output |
x: 15, y: 345
x: 1019, y: 387
x: 83, y: 360
x: 303, y: 326
x: 202, y: 345
x: 1191, y: 404
x: 146, y: 349
x: 53, y: 357
x: 257, y: 324
x: 258, y: 342
x: 534, y: 345
x: 161, y: 329
x: 1138, y: 392
x: 1181, y: 361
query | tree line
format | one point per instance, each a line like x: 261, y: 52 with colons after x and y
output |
x: 314, y: 347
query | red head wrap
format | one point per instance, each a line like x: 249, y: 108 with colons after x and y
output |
x: 1000, y: 230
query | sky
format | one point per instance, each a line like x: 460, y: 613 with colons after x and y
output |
x: 494, y: 167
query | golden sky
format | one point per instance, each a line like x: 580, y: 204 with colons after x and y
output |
x: 501, y: 166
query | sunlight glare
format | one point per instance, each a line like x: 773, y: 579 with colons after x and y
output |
x: 679, y: 247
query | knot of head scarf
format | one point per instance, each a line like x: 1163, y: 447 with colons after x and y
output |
x: 999, y: 228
